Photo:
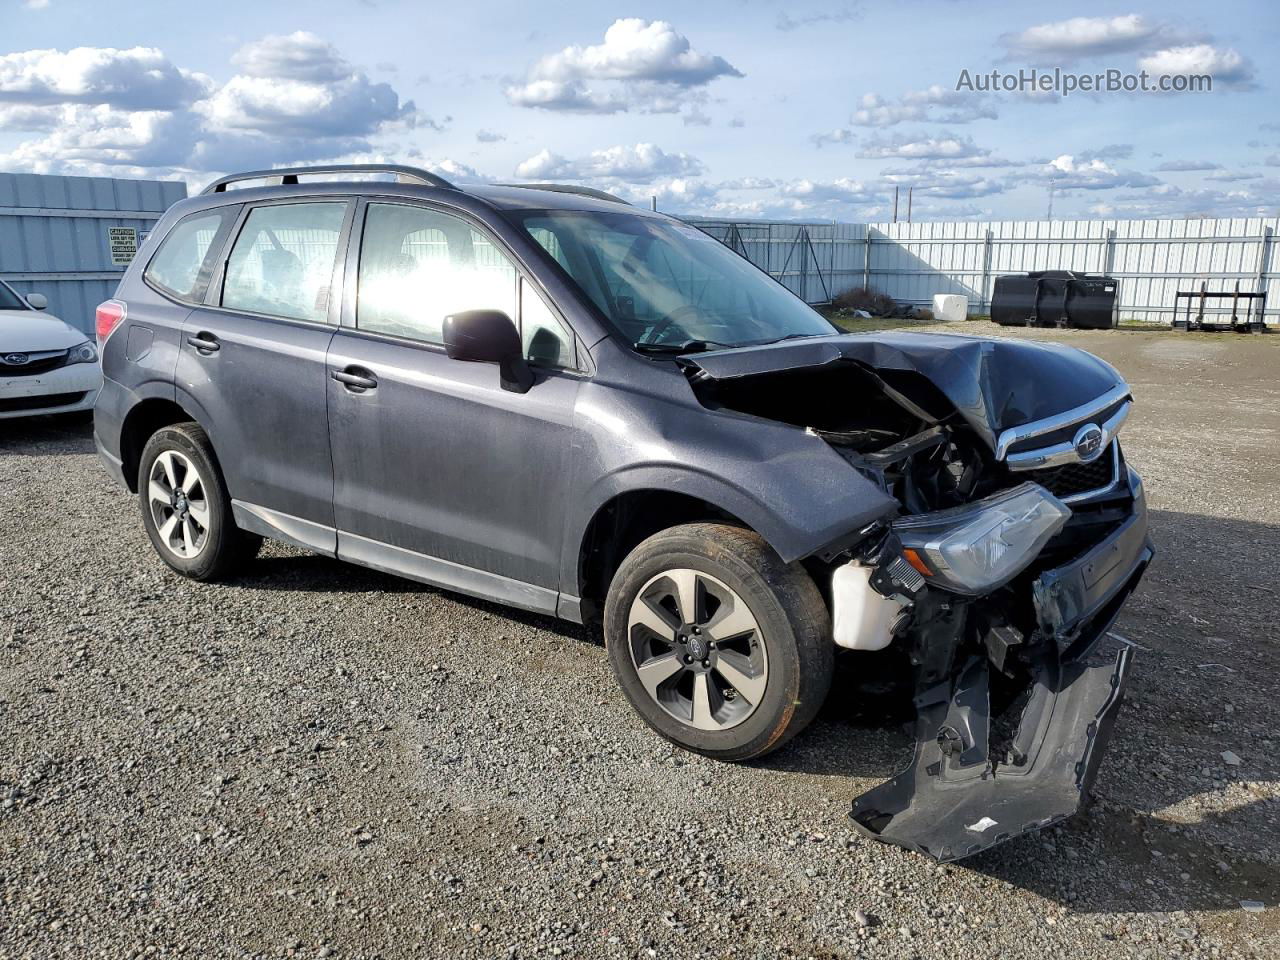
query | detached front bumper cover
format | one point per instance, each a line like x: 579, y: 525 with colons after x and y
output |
x: 953, y: 801
x: 956, y: 798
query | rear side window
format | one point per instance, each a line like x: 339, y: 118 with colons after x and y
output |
x: 185, y: 261
x: 282, y: 262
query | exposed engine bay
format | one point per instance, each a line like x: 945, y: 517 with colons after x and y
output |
x: 1016, y: 543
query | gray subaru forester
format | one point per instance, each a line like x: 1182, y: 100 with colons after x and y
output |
x: 540, y: 395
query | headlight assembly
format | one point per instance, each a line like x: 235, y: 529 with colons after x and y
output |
x: 980, y: 546
x: 83, y: 353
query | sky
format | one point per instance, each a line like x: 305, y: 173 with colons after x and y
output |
x: 726, y: 108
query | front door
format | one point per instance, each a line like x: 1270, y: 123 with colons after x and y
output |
x: 439, y: 473
x: 253, y: 361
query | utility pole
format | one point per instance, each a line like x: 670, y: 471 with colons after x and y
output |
x: 653, y: 202
x: 895, y: 204
x: 910, y: 191
x: 1049, y: 216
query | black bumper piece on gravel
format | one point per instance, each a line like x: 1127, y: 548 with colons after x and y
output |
x: 956, y: 798
x: 952, y: 803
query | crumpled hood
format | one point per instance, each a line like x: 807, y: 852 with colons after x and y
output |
x: 994, y: 383
x: 31, y: 331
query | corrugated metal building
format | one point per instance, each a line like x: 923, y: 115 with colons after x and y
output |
x: 71, y: 238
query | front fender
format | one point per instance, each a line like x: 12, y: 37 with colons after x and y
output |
x: 793, y: 519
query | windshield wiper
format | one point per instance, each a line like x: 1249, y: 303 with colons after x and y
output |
x: 789, y: 336
x: 689, y: 346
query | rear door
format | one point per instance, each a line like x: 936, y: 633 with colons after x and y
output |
x: 253, y: 362
x: 439, y: 472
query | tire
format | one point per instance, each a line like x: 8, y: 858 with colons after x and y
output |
x: 761, y: 625
x: 194, y: 533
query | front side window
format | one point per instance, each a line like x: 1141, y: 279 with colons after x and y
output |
x: 546, y: 341
x: 9, y: 299
x: 417, y: 266
x: 183, y: 264
x: 282, y: 262
x: 665, y: 285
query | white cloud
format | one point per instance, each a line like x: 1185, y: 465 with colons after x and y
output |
x: 489, y: 136
x: 1187, y: 166
x: 642, y: 163
x: 786, y: 22
x: 1254, y: 200
x: 297, y: 56
x: 1227, y: 67
x: 946, y: 146
x: 843, y: 189
x: 642, y: 65
x: 947, y: 184
x: 300, y: 86
x: 296, y: 101
x: 141, y: 78
x: 831, y: 137
x: 1076, y: 172
x: 1066, y: 40
x: 100, y: 136
x: 935, y: 103
x: 36, y: 4
x: 1236, y: 177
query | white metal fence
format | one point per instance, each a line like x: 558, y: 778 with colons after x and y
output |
x: 1152, y: 259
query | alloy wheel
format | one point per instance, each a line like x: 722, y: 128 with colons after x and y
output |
x: 697, y: 649
x: 179, y: 504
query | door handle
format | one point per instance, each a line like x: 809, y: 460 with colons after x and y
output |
x: 355, y: 382
x: 204, y: 342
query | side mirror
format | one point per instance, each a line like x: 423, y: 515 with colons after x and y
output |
x: 38, y: 301
x: 489, y: 336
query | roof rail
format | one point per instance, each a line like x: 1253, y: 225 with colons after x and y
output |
x: 289, y: 175
x: 567, y: 188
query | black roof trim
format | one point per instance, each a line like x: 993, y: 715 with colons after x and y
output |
x: 289, y: 175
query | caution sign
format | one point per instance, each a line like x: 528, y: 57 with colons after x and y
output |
x: 123, y: 242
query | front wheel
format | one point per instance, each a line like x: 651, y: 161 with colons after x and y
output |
x: 719, y: 645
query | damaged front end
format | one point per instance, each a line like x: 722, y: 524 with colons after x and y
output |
x: 1021, y: 534
x: 1013, y: 705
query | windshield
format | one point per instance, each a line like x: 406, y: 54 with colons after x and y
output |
x: 669, y: 286
x: 10, y: 300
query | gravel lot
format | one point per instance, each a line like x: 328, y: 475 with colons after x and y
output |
x: 317, y: 760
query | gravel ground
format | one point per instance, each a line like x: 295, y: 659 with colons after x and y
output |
x: 317, y: 760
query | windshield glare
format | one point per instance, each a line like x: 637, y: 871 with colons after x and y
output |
x: 668, y: 284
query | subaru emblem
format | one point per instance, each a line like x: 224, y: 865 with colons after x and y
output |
x: 16, y: 359
x: 1088, y: 443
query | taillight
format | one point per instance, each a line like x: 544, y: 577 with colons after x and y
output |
x: 108, y: 316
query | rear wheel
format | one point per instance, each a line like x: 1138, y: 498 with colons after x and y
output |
x: 185, y: 507
x: 720, y: 646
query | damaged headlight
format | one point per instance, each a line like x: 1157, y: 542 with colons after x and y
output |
x: 978, y: 547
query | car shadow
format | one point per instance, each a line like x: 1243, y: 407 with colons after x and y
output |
x: 314, y: 573
x: 56, y: 434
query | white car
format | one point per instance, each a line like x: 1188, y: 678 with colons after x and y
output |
x: 46, y: 365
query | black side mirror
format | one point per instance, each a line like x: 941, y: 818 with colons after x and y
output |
x: 489, y: 336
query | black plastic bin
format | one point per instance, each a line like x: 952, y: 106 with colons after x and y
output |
x: 1055, y: 298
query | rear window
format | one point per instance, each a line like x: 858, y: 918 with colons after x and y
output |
x: 184, y: 263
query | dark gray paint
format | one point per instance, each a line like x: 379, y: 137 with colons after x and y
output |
x: 440, y: 475
x: 994, y: 384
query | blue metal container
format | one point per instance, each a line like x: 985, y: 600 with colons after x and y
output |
x: 71, y: 238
